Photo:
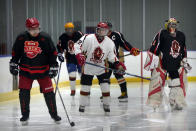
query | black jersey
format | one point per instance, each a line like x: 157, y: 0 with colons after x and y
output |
x: 172, y: 49
x: 119, y: 41
x: 67, y: 43
x: 34, y: 54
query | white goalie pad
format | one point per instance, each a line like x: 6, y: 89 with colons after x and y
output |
x: 177, y: 94
x: 156, y: 87
x: 152, y: 61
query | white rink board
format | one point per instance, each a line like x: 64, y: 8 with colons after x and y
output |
x: 132, y: 63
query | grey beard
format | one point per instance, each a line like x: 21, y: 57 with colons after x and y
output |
x: 173, y: 34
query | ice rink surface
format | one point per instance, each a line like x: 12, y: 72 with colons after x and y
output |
x: 131, y: 116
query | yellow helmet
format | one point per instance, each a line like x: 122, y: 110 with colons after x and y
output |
x: 171, y: 20
x: 69, y: 25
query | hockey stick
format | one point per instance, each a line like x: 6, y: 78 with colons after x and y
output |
x: 116, y: 71
x: 128, y: 54
x: 191, y: 58
x: 124, y: 55
x: 58, y: 76
x: 71, y: 123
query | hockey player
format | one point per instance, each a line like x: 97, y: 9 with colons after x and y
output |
x: 119, y: 41
x: 66, y: 44
x: 95, y: 49
x: 167, y: 55
x: 35, y: 54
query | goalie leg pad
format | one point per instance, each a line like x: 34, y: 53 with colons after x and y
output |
x: 176, y: 95
x: 155, y: 87
x: 183, y: 80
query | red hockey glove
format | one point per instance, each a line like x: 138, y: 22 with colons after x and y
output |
x: 135, y: 51
x: 120, y: 67
x: 81, y: 59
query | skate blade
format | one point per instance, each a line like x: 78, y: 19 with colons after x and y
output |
x: 107, y: 113
x: 24, y: 123
x: 57, y: 122
x: 123, y: 100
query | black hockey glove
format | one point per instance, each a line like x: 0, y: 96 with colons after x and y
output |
x: 53, y: 71
x: 13, y: 68
x: 60, y: 57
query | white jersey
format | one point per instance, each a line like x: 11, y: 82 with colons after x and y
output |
x: 96, y: 53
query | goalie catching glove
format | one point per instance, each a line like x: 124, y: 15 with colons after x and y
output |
x: 13, y: 68
x: 53, y: 71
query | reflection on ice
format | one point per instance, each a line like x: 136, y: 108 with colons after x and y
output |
x: 134, y: 115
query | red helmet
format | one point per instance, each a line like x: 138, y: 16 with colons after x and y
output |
x: 102, y: 25
x: 32, y: 23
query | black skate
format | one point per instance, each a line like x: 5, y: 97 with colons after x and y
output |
x: 24, y: 120
x: 81, y: 109
x: 56, y: 118
x: 106, y: 108
x: 123, y: 98
x: 101, y: 98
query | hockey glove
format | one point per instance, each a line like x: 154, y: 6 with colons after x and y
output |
x: 81, y: 59
x: 120, y: 67
x: 186, y: 65
x: 134, y: 51
x: 13, y: 68
x: 53, y: 71
x: 60, y: 57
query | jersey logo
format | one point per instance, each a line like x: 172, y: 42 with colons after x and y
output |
x: 175, y: 49
x: 113, y: 37
x: 71, y: 47
x: 31, y: 49
x: 97, y: 55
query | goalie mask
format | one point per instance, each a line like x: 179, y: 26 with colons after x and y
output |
x: 171, y: 25
x: 102, y: 29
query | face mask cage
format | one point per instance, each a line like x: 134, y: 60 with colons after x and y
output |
x: 102, y: 31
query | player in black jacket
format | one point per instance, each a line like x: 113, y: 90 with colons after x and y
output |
x: 119, y: 41
x: 169, y: 45
x: 66, y: 44
x: 35, y: 54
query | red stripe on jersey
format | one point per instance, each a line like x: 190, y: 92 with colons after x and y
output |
x: 47, y: 66
x: 127, y: 48
x: 34, y: 71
